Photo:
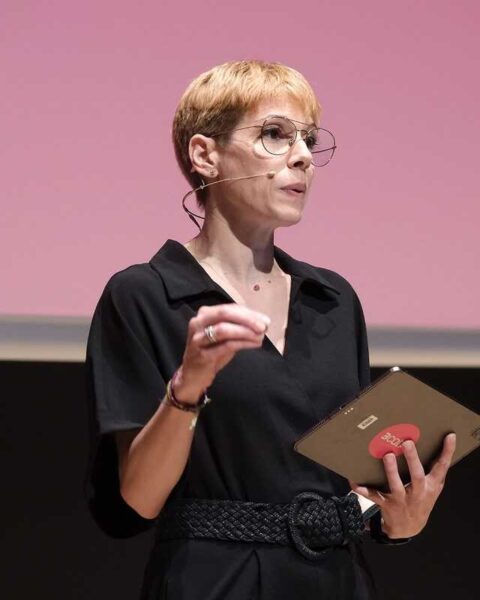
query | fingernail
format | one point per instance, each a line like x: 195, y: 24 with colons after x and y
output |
x: 266, y: 319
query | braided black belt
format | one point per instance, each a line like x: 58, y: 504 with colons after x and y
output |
x: 311, y: 523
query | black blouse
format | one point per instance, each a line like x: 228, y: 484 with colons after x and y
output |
x: 262, y: 402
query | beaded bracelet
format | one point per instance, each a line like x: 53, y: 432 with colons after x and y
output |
x: 171, y: 399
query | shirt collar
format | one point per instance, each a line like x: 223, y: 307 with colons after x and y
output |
x: 184, y: 276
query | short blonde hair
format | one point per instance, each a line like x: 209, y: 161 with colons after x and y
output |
x: 216, y: 101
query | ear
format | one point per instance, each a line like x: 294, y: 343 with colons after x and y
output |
x: 203, y: 155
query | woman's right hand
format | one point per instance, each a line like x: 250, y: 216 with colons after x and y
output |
x: 235, y: 327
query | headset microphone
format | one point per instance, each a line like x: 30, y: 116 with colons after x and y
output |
x: 269, y: 174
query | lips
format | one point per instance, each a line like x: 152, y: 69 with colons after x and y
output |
x: 299, y: 188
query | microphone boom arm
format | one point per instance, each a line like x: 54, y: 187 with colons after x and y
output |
x: 192, y: 215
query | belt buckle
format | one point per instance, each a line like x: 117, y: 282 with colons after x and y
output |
x: 293, y: 526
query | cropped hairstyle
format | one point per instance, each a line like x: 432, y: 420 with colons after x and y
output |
x: 217, y: 100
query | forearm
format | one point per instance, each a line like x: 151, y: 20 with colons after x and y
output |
x: 155, y: 460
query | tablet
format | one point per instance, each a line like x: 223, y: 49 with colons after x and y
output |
x: 396, y: 407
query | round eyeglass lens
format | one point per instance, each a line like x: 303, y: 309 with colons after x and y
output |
x: 279, y: 134
x: 321, y: 145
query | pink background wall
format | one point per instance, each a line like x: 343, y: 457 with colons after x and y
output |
x: 89, y: 183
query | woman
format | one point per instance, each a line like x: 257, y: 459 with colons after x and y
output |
x: 275, y: 343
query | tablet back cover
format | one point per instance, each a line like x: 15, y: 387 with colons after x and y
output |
x: 395, y: 407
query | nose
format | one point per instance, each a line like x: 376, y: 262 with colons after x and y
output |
x: 299, y: 155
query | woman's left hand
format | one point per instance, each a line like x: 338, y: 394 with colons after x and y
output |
x: 405, y: 510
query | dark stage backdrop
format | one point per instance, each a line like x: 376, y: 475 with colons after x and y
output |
x: 52, y: 549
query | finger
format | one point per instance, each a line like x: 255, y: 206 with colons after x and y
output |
x: 369, y: 493
x: 415, y: 467
x: 439, y: 470
x: 234, y: 313
x: 227, y: 331
x: 393, y: 477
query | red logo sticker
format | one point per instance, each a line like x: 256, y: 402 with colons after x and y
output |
x: 392, y: 438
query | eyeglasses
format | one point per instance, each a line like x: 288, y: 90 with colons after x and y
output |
x: 278, y: 134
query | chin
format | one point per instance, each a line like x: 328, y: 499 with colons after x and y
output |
x: 289, y: 218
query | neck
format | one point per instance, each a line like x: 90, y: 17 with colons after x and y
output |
x: 242, y: 256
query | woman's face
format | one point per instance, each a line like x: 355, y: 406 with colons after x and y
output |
x: 263, y: 200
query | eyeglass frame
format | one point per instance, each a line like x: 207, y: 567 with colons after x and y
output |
x: 306, y: 131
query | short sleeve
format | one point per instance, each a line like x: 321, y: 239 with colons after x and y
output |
x: 362, y: 344
x: 124, y: 388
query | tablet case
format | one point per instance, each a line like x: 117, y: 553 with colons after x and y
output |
x: 395, y: 407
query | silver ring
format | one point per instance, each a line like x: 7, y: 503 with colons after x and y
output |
x: 210, y: 334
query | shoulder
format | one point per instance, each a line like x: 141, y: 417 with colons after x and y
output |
x: 135, y: 277
x: 328, y: 277
x: 335, y: 279
x: 133, y: 287
x: 338, y: 286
